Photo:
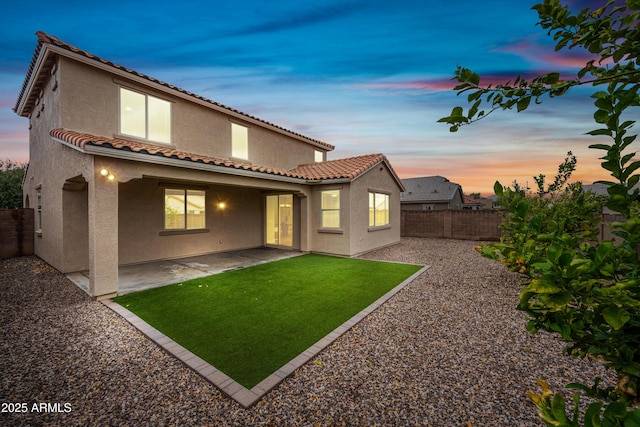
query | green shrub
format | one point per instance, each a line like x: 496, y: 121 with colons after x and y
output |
x: 585, y: 290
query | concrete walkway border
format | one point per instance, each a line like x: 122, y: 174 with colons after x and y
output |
x: 242, y: 395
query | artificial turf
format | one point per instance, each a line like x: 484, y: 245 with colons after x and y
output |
x: 250, y: 322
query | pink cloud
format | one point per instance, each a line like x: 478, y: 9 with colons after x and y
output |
x: 537, y: 53
x: 436, y: 85
x: 447, y: 84
x: 503, y: 78
x: 15, y: 145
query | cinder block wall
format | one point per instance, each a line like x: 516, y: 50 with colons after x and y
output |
x: 452, y: 224
x: 471, y: 225
x: 16, y: 232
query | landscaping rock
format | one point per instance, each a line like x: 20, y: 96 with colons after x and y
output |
x: 447, y: 350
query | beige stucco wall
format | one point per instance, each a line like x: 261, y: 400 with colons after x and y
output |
x: 90, y: 103
x: 75, y: 220
x: 355, y: 236
x: 240, y: 225
x: 50, y: 165
x: 331, y: 241
x: 140, y: 218
x: 76, y: 225
x: 362, y: 237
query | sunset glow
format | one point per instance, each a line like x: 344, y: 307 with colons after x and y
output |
x: 367, y: 77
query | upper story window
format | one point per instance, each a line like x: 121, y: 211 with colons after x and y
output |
x: 239, y: 141
x: 318, y: 156
x: 330, y: 206
x: 145, y: 116
x: 378, y: 209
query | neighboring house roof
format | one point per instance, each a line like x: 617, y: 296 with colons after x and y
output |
x: 31, y: 88
x: 600, y: 189
x: 470, y: 201
x: 429, y: 189
x: 342, y: 169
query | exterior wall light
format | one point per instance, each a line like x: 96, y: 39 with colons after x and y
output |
x: 222, y: 205
x: 105, y: 172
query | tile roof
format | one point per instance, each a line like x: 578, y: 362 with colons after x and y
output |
x: 44, y: 38
x: 349, y: 168
x: 470, y: 201
x: 429, y: 188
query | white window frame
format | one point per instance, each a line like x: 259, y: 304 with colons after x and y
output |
x: 318, y: 156
x: 185, y: 193
x: 239, y: 141
x: 374, y: 200
x: 326, y: 209
x: 149, y: 133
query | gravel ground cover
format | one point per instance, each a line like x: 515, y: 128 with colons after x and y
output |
x: 447, y: 350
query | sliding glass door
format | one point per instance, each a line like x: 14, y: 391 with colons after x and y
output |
x: 279, y: 220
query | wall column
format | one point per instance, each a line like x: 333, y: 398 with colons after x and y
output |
x: 305, y: 218
x: 103, y: 236
x: 447, y: 224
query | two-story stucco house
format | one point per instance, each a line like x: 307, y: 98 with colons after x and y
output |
x: 127, y: 169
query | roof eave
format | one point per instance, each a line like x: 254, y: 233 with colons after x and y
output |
x: 186, y: 164
x: 35, y: 68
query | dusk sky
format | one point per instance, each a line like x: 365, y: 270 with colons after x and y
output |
x: 368, y: 76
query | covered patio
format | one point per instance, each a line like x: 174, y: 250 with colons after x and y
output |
x: 137, y: 277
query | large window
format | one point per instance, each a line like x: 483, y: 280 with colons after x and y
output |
x: 239, y: 141
x: 378, y: 209
x: 145, y: 116
x: 330, y: 206
x: 184, y: 209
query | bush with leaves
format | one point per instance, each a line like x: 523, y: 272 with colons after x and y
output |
x: 11, y: 175
x: 587, y: 292
x: 532, y: 222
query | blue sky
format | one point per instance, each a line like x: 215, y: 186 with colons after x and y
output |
x: 367, y: 76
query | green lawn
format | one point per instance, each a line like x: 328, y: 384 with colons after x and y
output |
x: 250, y: 322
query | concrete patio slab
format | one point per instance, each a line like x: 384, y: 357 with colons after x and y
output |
x: 138, y: 277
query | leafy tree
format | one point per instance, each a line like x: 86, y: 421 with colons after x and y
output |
x: 586, y: 291
x: 564, y: 173
x: 11, y: 175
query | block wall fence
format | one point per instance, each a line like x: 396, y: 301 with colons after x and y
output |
x: 481, y: 225
x: 16, y: 232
